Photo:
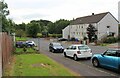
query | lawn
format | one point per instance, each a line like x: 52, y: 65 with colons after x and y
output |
x: 28, y: 50
x: 38, y: 65
x: 21, y: 38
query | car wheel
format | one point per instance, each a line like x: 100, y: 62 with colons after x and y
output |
x: 75, y: 57
x: 65, y: 54
x: 49, y: 50
x: 18, y: 46
x: 95, y: 63
x: 53, y: 51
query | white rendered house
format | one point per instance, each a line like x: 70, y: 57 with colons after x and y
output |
x: 105, y: 23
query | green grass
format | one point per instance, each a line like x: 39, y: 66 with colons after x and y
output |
x: 21, y: 38
x: 104, y: 44
x: 28, y: 50
x: 38, y: 65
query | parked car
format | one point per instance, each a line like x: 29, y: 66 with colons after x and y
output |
x: 78, y: 51
x: 30, y: 43
x: 55, y: 47
x: 20, y: 44
x: 108, y: 59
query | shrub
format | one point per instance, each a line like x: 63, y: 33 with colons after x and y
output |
x: 39, y: 35
x: 55, y: 35
x: 110, y: 40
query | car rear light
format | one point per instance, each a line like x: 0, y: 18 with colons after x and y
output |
x: 78, y: 52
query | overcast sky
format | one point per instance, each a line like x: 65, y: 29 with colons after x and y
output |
x: 27, y: 10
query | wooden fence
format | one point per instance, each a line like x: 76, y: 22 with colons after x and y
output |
x: 6, y: 49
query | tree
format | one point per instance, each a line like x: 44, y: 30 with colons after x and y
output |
x: 56, y: 28
x: 3, y: 13
x: 91, y: 32
x: 33, y: 29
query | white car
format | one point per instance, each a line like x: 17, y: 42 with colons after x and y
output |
x: 78, y: 51
x: 30, y: 43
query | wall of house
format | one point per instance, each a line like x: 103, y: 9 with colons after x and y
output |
x: 78, y: 31
x: 108, y: 20
x: 65, y: 32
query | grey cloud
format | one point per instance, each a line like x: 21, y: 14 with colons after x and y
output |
x: 33, y: 16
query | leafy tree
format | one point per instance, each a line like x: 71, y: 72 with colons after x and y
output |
x: 51, y: 28
x: 61, y: 24
x: 91, y: 32
x: 3, y: 13
x: 56, y: 28
x: 33, y: 29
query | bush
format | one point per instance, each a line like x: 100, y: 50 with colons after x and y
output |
x: 39, y: 35
x: 55, y: 35
x: 110, y: 40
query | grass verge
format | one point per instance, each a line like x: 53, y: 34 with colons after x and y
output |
x: 21, y: 38
x: 28, y: 50
x: 38, y: 65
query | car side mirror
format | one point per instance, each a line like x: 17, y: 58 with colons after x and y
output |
x: 102, y: 54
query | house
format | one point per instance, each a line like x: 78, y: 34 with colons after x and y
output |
x: 105, y: 24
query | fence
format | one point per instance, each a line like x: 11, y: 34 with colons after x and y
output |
x: 7, y: 49
x: 0, y: 55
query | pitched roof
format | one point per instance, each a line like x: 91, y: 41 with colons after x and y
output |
x: 89, y: 19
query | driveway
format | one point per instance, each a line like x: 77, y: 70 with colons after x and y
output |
x: 82, y: 66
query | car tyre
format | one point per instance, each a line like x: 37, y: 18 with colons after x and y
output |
x: 49, y: 50
x: 95, y: 62
x: 65, y: 55
x: 75, y: 57
x: 53, y: 51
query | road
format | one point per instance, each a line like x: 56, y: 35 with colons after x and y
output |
x: 82, y: 66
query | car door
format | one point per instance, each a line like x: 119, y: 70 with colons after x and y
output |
x: 68, y: 50
x: 109, y: 59
x: 73, y: 51
x: 50, y: 46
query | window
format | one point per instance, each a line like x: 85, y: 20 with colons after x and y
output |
x: 77, y: 33
x: 73, y: 47
x: 73, y: 32
x: 110, y: 53
x: 83, y: 47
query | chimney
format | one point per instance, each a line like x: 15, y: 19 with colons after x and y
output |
x: 93, y: 14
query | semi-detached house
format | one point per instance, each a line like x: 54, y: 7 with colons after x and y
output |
x: 105, y: 24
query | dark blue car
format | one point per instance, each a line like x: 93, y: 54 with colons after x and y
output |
x: 108, y: 59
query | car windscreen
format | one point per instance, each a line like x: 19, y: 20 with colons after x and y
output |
x: 56, y: 44
x: 83, y: 47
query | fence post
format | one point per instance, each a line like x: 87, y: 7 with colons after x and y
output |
x: 0, y: 55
